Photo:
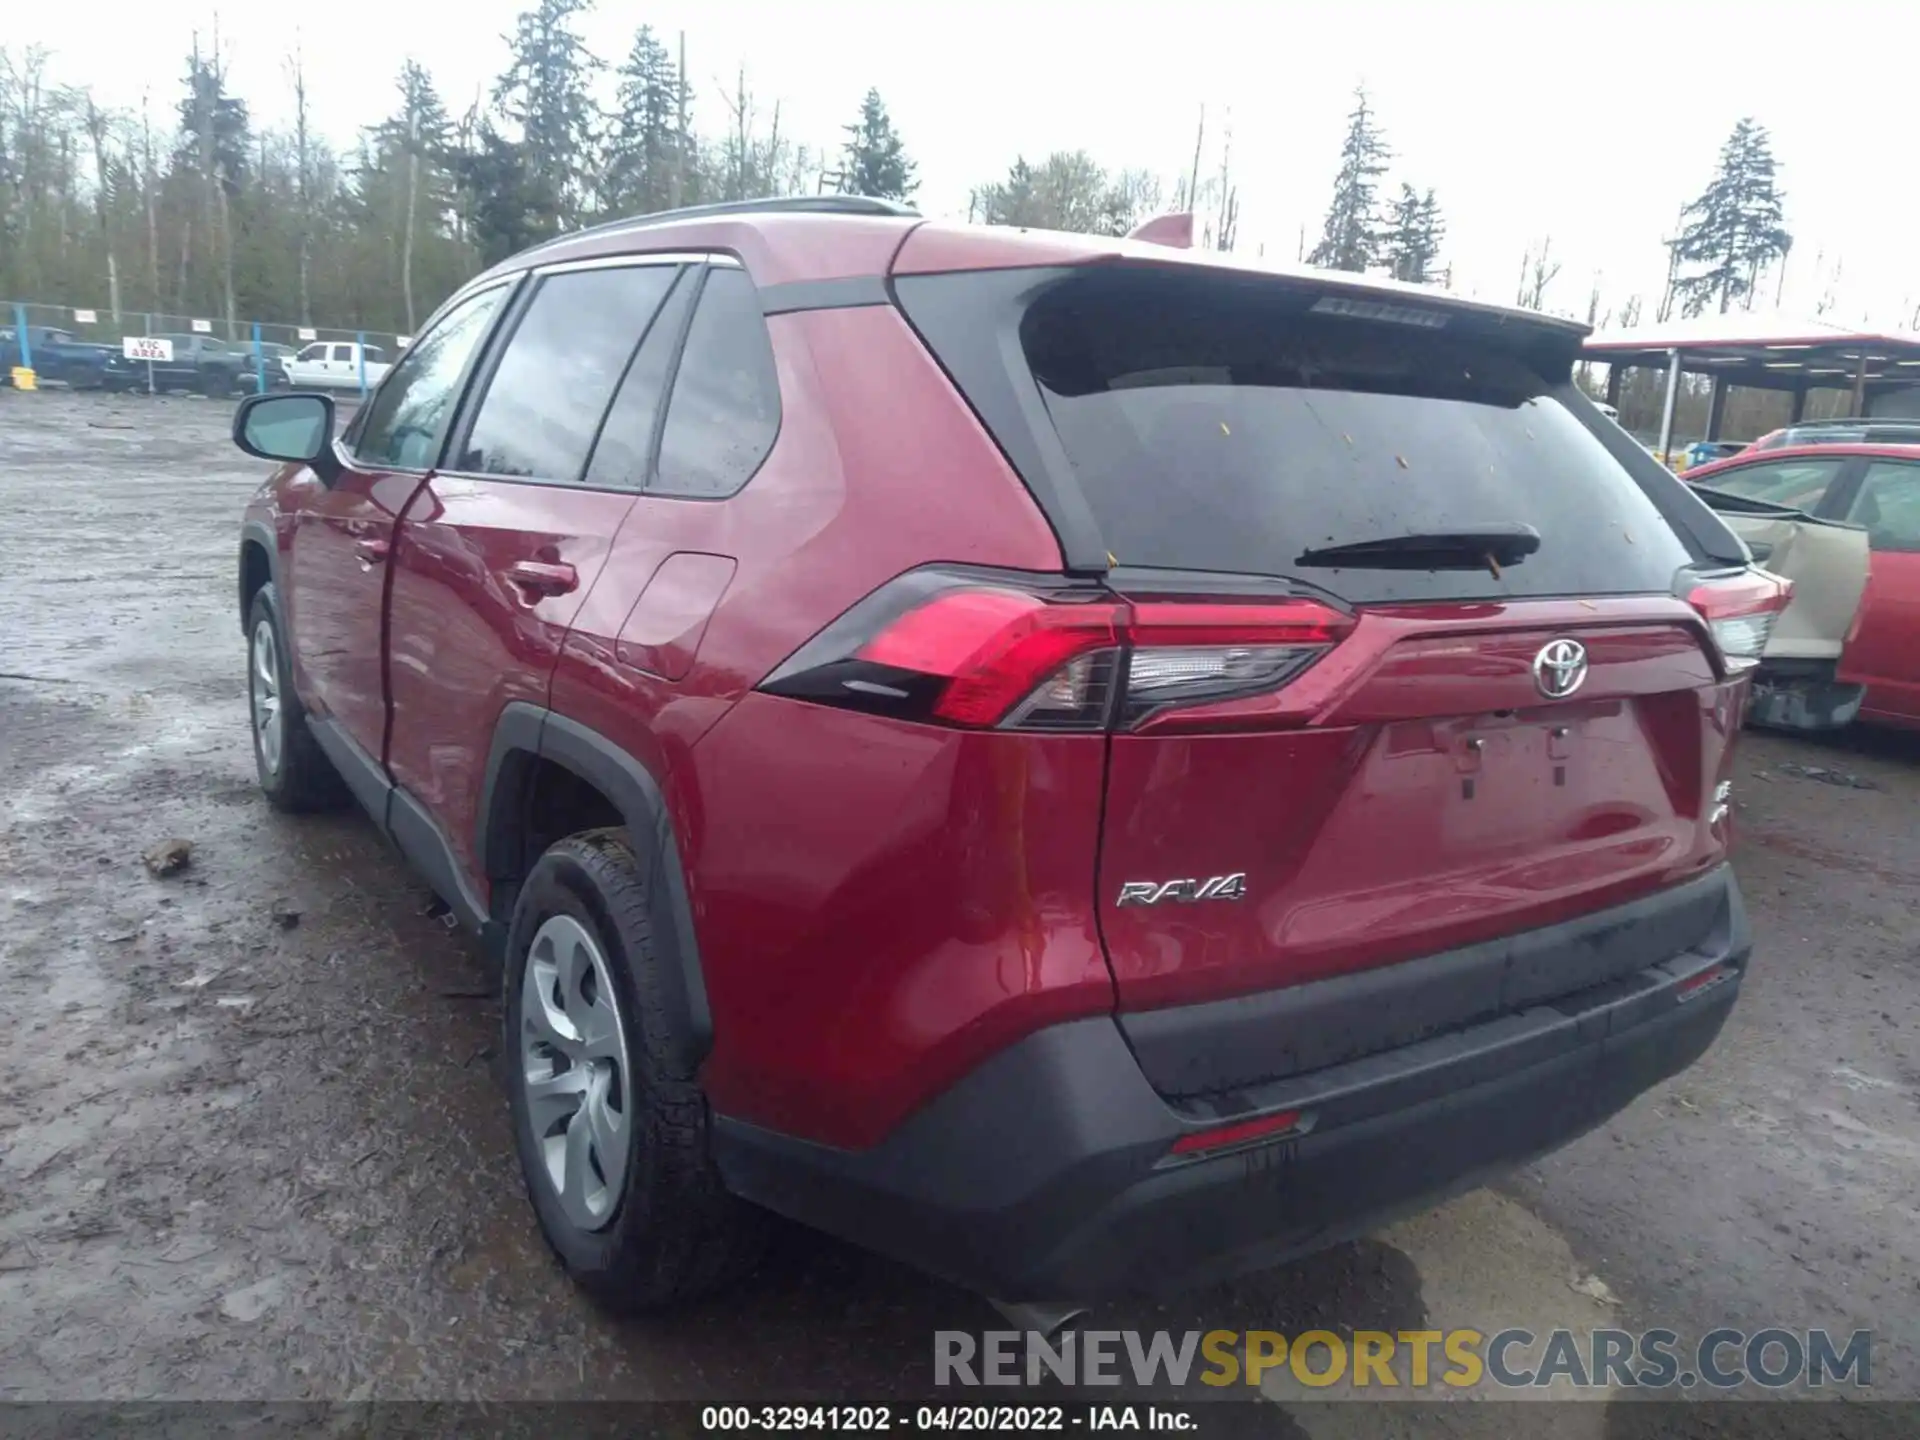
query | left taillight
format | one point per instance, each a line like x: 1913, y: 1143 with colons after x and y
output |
x: 983, y: 652
x: 1740, y: 610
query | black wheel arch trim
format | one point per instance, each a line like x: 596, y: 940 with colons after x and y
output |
x: 257, y: 532
x: 525, y: 733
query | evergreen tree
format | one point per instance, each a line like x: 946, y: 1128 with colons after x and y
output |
x: 875, y: 161
x: 504, y: 200
x: 215, y: 145
x: 1734, y: 228
x: 1413, y: 236
x: 1067, y: 191
x: 216, y: 136
x: 545, y: 93
x: 1350, y: 237
x: 408, y: 163
x: 643, y: 159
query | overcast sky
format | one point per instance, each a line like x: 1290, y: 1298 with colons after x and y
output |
x: 1590, y: 124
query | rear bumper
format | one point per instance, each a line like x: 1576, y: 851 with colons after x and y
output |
x: 1803, y: 695
x: 1046, y: 1175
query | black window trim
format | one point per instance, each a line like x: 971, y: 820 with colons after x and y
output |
x: 652, y: 489
x: 475, y: 390
x: 351, y: 459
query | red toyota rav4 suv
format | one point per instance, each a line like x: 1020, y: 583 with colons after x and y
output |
x: 1084, y: 766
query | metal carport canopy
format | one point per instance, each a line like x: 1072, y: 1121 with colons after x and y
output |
x: 1769, y: 352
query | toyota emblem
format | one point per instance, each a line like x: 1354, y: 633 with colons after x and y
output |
x: 1560, y: 668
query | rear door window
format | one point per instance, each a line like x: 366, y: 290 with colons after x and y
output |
x: 561, y: 365
x: 1800, y: 484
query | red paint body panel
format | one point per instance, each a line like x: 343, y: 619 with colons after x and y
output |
x: 880, y: 916
x: 1417, y: 795
x: 466, y: 640
x: 335, y: 540
x: 1884, y: 651
x: 663, y: 632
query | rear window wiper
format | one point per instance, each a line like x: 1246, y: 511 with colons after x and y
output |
x: 1488, y: 546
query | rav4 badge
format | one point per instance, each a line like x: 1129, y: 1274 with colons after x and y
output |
x: 1184, y: 892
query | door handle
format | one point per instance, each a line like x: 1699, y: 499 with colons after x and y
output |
x: 538, y: 581
x: 370, y: 552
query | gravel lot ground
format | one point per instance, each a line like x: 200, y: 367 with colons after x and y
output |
x: 251, y: 1145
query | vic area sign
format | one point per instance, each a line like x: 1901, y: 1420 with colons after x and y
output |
x: 146, y: 347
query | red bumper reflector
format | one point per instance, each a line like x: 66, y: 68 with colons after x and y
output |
x: 1266, y: 1127
x: 1696, y: 985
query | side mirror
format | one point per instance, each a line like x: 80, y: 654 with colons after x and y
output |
x: 288, y: 427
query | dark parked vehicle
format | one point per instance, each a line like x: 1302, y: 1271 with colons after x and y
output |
x: 1083, y: 766
x: 58, y: 356
x: 202, y: 363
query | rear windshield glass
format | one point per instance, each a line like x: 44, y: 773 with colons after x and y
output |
x: 1233, y: 428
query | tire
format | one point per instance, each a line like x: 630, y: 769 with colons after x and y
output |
x: 216, y: 384
x: 671, y: 1232
x: 295, y: 775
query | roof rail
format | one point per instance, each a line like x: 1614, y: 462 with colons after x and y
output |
x: 770, y: 205
x: 1846, y: 422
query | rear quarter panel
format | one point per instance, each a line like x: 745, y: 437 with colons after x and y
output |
x: 821, y: 855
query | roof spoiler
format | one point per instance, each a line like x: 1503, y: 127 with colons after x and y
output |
x: 1174, y: 230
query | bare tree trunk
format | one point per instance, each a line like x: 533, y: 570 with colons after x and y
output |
x: 97, y: 132
x: 186, y: 257
x: 303, y: 220
x: 683, y: 144
x: 1224, y: 220
x: 149, y: 183
x: 1193, y: 176
x: 222, y: 209
x: 226, y: 261
x: 742, y: 130
x: 413, y: 201
x: 768, y: 180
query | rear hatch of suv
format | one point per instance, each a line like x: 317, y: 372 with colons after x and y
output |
x: 1411, y: 657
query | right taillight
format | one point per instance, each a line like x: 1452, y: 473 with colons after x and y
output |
x: 986, y: 652
x: 1740, y: 610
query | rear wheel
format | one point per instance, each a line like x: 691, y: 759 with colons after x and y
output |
x: 613, y: 1147
x: 294, y: 771
x: 215, y: 384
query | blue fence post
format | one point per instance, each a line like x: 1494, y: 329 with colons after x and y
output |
x: 26, y: 341
x: 360, y: 345
x: 259, y: 364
